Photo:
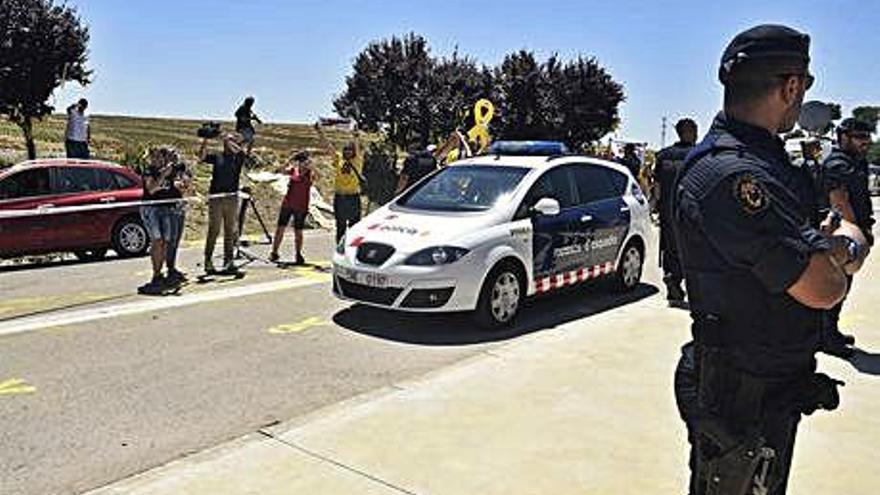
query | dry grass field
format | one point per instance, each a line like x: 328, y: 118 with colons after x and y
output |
x: 123, y: 140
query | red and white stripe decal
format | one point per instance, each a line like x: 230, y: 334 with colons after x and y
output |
x: 565, y: 279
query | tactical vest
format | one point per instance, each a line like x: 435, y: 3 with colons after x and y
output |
x: 856, y: 182
x: 669, y: 162
x: 766, y: 334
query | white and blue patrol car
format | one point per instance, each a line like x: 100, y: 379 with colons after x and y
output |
x: 483, y: 233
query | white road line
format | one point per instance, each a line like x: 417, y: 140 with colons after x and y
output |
x: 28, y: 324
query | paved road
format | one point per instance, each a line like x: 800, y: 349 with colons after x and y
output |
x: 98, y: 383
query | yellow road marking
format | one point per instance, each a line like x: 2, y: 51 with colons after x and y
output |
x: 47, y: 303
x: 297, y: 327
x: 16, y: 386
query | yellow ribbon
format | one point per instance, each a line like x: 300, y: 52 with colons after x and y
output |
x: 484, y: 110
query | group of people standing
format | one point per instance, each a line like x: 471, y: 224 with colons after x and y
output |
x: 768, y: 251
x: 839, y: 184
x: 167, y: 179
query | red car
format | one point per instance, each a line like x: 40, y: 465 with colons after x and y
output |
x: 52, y: 185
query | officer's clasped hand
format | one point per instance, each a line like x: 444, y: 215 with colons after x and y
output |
x: 820, y: 392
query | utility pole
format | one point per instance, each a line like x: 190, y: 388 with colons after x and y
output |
x: 663, y: 134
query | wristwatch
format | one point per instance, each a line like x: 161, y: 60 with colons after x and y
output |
x: 853, y: 248
x: 836, y: 218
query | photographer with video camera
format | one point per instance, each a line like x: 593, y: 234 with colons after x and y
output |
x: 223, y: 200
x: 348, y: 168
x: 166, y: 178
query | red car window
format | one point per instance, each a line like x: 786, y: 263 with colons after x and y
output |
x: 25, y: 184
x: 76, y: 179
x: 121, y: 181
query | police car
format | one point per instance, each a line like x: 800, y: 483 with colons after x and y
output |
x: 482, y: 234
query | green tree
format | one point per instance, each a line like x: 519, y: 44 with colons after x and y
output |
x: 42, y: 45
x: 397, y: 87
x: 575, y: 102
x: 867, y: 114
x: 456, y: 83
x: 520, y: 93
x: 874, y: 153
x: 386, y: 90
x: 588, y: 100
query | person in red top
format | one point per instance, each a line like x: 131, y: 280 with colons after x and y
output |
x: 295, y: 204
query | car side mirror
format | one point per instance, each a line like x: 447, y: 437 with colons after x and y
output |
x: 547, y: 207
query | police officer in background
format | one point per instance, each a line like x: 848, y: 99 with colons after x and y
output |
x: 758, y: 275
x: 843, y: 185
x: 668, y: 163
x: 630, y: 160
x: 418, y: 165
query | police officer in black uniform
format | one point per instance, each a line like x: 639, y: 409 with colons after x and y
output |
x: 843, y: 184
x: 668, y: 163
x: 759, y: 276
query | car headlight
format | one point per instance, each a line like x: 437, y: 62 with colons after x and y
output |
x: 440, y: 255
x: 340, y: 246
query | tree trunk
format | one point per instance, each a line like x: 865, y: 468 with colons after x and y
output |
x: 27, y: 128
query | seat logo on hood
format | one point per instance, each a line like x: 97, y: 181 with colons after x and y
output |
x: 398, y: 229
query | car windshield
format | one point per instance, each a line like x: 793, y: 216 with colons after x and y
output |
x: 465, y: 188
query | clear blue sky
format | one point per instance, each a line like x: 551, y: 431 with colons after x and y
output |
x: 198, y: 58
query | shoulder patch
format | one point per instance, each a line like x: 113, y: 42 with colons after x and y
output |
x: 750, y: 194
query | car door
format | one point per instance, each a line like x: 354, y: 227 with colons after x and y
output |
x: 26, y: 189
x: 605, y: 213
x: 557, y: 245
x: 78, y: 186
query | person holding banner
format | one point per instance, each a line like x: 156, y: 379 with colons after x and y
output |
x: 348, y: 168
x: 223, y: 201
x: 165, y: 179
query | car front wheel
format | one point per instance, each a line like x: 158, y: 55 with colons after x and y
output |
x: 500, y: 297
x: 130, y: 238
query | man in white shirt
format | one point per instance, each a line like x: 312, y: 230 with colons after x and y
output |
x: 78, y: 134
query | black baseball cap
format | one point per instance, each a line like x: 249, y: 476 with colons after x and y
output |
x: 765, y: 47
x: 856, y: 126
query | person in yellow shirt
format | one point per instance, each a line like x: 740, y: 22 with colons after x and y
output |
x: 348, y: 168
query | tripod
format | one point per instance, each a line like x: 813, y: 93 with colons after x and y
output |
x: 241, y: 244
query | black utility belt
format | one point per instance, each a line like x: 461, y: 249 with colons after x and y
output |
x: 755, y: 395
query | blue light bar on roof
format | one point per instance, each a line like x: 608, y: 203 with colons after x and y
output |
x: 528, y: 148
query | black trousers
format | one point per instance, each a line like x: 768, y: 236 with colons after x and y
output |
x: 77, y: 149
x: 347, y: 211
x: 779, y: 428
x: 669, y: 260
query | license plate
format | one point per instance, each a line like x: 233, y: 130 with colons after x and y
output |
x: 370, y: 279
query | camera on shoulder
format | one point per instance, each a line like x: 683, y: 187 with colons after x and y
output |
x: 209, y: 130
